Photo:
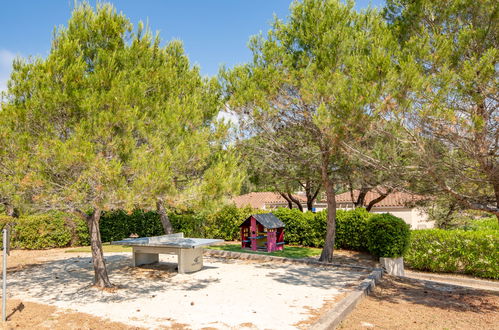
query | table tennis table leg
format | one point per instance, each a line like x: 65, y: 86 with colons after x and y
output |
x: 190, y: 260
x: 141, y: 258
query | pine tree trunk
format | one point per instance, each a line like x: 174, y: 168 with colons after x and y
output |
x: 101, y: 278
x: 327, y: 251
x: 361, y: 199
x: 290, y: 202
x: 163, y: 215
x: 296, y: 201
x: 378, y: 199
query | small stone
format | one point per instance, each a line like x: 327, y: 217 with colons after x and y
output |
x: 138, y: 310
x: 192, y: 303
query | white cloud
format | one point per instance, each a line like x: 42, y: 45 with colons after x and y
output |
x: 6, y: 58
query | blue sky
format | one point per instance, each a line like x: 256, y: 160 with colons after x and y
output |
x: 214, y: 32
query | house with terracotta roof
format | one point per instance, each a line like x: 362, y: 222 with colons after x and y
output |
x: 400, y: 204
x: 265, y: 200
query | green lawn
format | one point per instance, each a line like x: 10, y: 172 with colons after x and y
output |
x: 105, y: 246
x: 288, y: 252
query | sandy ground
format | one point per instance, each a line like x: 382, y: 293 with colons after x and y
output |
x: 29, y: 315
x: 225, y: 294
x: 402, y: 303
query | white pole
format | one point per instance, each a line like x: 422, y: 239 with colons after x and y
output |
x: 4, y: 284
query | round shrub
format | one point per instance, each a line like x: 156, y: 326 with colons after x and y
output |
x: 387, y: 236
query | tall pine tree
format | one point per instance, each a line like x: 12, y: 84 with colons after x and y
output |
x: 111, y: 119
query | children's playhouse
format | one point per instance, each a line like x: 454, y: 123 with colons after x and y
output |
x: 262, y: 232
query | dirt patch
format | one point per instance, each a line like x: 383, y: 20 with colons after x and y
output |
x: 29, y: 315
x: 398, y: 303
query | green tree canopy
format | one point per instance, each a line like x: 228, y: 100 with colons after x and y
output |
x: 111, y: 119
x: 318, y: 79
x: 448, y: 96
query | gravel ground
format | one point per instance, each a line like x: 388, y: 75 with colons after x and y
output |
x: 225, y: 294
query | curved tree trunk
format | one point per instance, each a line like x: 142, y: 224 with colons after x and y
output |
x: 361, y: 199
x: 296, y: 201
x: 311, y: 196
x: 101, y: 278
x: 290, y: 202
x: 163, y: 215
x: 327, y: 251
x: 378, y: 199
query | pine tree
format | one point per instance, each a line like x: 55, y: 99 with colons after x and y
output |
x: 316, y: 80
x: 110, y: 119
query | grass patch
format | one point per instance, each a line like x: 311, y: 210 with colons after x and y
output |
x: 106, y: 247
x: 296, y: 252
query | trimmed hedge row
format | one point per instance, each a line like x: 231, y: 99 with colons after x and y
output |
x: 455, y: 251
x: 116, y: 225
x: 474, y: 252
x: 44, y: 231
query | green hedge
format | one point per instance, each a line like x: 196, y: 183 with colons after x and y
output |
x: 387, y: 236
x: 455, y: 251
x: 44, y: 231
x: 298, y: 228
x: 224, y: 224
x: 489, y: 223
x: 117, y: 225
x: 474, y: 251
x: 351, y: 229
x: 189, y: 223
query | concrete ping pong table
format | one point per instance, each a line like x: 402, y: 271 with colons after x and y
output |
x: 146, y: 250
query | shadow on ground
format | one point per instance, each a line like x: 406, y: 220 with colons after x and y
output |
x: 436, y: 295
x: 313, y: 276
x: 71, y: 279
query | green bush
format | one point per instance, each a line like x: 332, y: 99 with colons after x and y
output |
x: 317, y: 225
x: 297, y: 229
x: 224, y: 224
x: 455, y: 251
x: 351, y: 229
x: 117, y: 225
x: 44, y: 231
x: 489, y: 223
x: 189, y: 223
x: 387, y: 236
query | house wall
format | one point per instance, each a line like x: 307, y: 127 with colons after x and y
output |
x: 414, y: 217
